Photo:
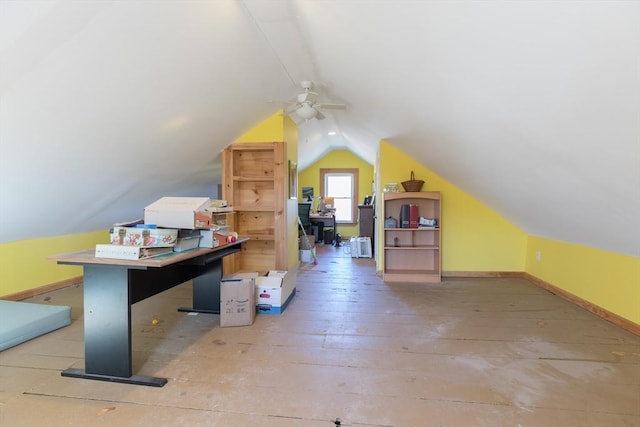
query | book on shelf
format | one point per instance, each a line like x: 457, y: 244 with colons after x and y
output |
x: 413, y: 216
x: 404, y: 216
x: 129, y: 252
x: 427, y: 223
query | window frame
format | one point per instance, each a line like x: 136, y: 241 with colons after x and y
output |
x: 354, y: 196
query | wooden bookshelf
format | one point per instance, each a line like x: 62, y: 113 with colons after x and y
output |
x: 412, y: 254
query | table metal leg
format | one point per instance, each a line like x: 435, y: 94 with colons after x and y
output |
x: 206, y: 290
x: 107, y: 328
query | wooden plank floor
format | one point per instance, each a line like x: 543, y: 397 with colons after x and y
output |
x: 466, y: 352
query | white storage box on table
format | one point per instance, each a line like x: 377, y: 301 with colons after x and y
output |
x: 215, y: 236
x: 187, y: 243
x: 178, y: 212
x: 360, y: 247
x: 214, y: 217
x: 275, y: 291
x: 130, y: 252
x: 187, y: 240
x: 238, y: 299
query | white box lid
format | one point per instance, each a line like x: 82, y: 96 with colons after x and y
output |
x: 173, y: 204
x: 277, y: 273
x: 240, y: 276
x: 269, y: 282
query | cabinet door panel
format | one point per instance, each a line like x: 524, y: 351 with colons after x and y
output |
x: 254, y: 194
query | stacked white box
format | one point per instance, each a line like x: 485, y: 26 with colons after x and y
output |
x: 360, y: 247
x: 307, y: 255
x: 176, y: 212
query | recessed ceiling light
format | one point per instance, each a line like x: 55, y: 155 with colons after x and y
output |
x: 332, y: 133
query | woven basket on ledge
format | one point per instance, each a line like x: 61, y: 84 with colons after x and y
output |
x: 413, y: 184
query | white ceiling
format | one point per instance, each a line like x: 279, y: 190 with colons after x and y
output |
x: 531, y: 107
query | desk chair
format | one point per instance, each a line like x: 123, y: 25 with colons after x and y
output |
x: 303, y: 213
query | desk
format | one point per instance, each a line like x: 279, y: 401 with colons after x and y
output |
x: 328, y: 221
x: 111, y: 286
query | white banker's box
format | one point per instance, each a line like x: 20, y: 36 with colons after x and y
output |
x: 275, y: 291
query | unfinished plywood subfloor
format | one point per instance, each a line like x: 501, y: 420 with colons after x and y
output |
x: 466, y: 352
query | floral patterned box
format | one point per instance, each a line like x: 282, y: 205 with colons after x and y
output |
x: 144, y: 237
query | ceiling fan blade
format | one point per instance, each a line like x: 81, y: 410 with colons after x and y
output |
x: 331, y: 106
x: 311, y: 97
x: 319, y: 115
x: 291, y: 108
x: 279, y: 101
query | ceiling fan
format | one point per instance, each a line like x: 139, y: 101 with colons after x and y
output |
x: 306, y: 104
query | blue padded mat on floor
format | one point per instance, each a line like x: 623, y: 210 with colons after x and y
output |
x: 22, y: 321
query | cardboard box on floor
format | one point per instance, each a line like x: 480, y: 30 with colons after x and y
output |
x: 237, y: 300
x: 275, y: 291
x: 178, y: 212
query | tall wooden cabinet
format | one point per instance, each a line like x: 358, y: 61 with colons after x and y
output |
x: 254, y: 183
x: 412, y: 254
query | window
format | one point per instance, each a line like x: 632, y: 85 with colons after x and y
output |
x: 342, y: 185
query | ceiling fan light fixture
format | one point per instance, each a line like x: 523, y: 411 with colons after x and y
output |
x: 306, y: 112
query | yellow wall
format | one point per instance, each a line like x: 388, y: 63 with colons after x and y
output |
x: 24, y: 264
x: 291, y: 138
x: 310, y: 177
x: 269, y: 130
x: 280, y: 127
x: 606, y: 279
x: 474, y: 237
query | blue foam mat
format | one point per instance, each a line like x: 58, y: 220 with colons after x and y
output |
x: 22, y: 321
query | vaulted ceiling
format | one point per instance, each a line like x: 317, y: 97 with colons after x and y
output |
x: 531, y: 107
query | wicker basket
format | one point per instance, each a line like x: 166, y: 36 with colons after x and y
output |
x: 413, y: 184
